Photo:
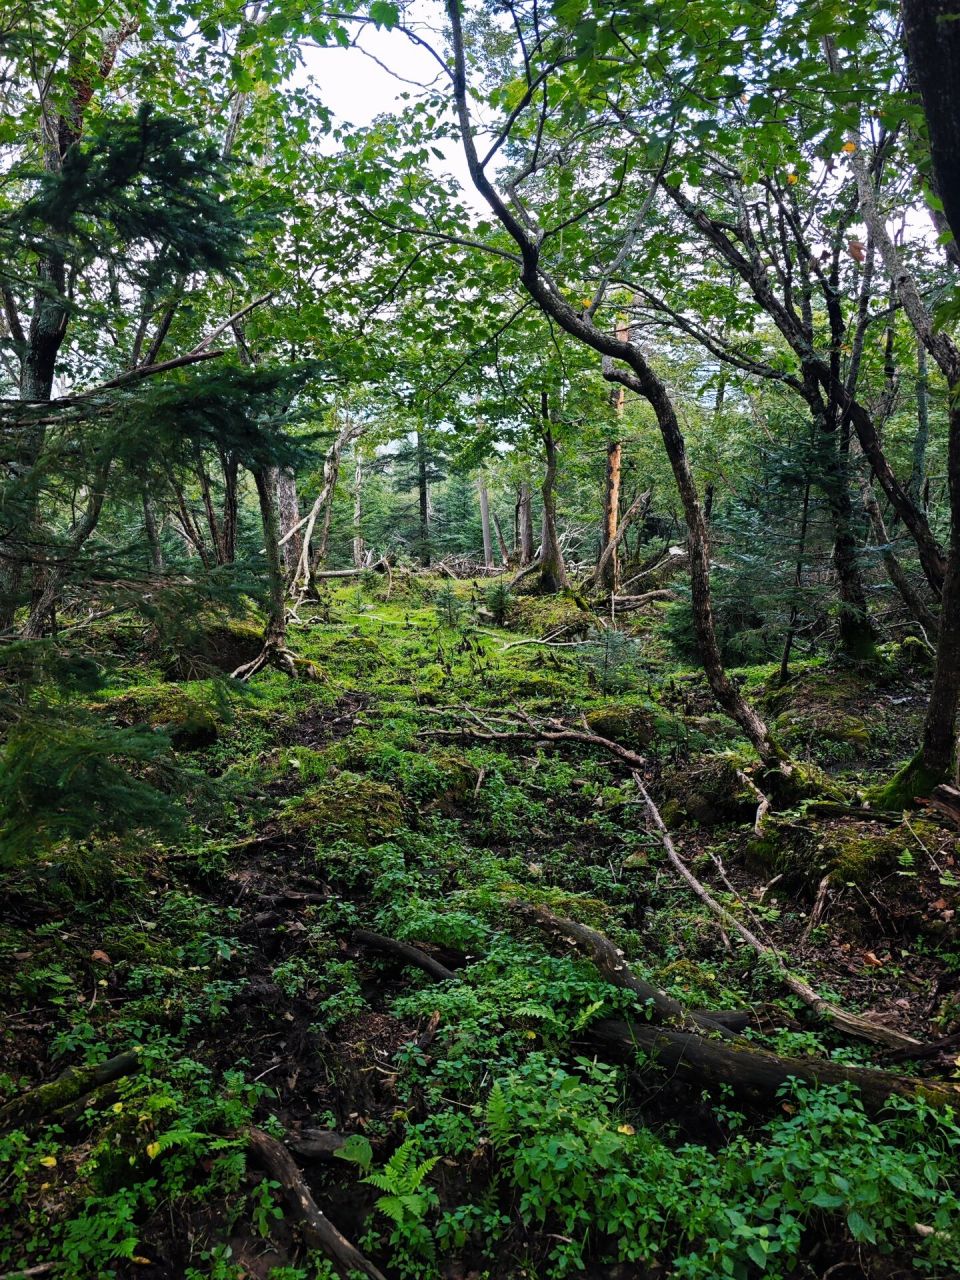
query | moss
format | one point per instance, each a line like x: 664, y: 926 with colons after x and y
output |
x: 804, y: 781
x: 812, y: 726
x: 348, y: 807
x: 214, y: 645
x: 544, y: 615
x: 711, y: 791
x: 913, y: 780
x: 192, y: 717
x: 848, y: 852
x: 633, y: 727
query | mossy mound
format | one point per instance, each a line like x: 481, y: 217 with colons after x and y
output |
x: 192, y: 717
x: 810, y: 727
x: 710, y: 791
x: 548, y: 615
x: 911, y: 782
x: 214, y: 645
x: 547, y: 687
x: 848, y: 852
x: 633, y: 727
x: 348, y: 807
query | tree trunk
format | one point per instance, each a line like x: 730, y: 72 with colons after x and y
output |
x: 501, y: 540
x: 895, y: 570
x: 919, y: 464
x: 485, y: 523
x: 797, y: 584
x: 939, y: 731
x: 276, y: 631
x: 289, y: 517
x: 525, y: 519
x: 423, y: 492
x: 857, y: 637
x: 153, y: 534
x: 231, y: 471
x: 553, y: 573
x: 358, y: 548
x: 56, y: 573
x: 932, y: 31
x: 611, y: 510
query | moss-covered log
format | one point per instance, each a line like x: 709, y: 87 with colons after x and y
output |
x: 72, y: 1084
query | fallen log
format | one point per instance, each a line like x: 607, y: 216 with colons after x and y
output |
x: 853, y: 1024
x: 68, y: 1087
x: 317, y: 1144
x: 551, y: 731
x: 317, y: 1229
x: 760, y: 1075
x: 406, y: 952
x: 609, y: 960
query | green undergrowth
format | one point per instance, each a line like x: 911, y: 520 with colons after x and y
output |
x: 490, y: 1135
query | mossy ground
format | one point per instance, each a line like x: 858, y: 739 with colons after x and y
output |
x: 316, y: 808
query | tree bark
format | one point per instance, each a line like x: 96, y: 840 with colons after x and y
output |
x: 358, y: 547
x: 525, y: 520
x: 289, y: 517
x: 485, y: 522
x: 932, y: 31
x: 152, y: 532
x: 553, y: 573
x: 423, y: 494
x: 611, y: 511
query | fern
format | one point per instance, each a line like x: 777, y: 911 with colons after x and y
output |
x: 497, y: 1116
x: 401, y: 1179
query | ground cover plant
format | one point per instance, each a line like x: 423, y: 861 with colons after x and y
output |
x: 479, y: 641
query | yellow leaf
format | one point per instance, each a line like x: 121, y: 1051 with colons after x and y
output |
x: 141, y: 1261
x: 117, y: 1107
x: 586, y: 301
x: 531, y: 1035
x: 849, y: 148
x: 792, y: 179
x: 627, y: 1129
x: 48, y: 1162
x: 153, y: 1149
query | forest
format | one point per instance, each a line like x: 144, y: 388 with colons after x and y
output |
x: 479, y: 639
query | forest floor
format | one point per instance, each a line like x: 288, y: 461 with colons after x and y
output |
x: 490, y: 1134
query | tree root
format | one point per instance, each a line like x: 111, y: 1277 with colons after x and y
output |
x: 72, y: 1085
x: 760, y: 1075
x: 318, y: 1230
x: 609, y: 960
x: 406, y: 952
x: 276, y: 654
x: 852, y: 1023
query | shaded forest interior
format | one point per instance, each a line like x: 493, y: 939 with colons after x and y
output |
x: 480, y: 641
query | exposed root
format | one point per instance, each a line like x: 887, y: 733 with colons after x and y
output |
x: 317, y: 1229
x: 852, y: 1023
x: 276, y: 654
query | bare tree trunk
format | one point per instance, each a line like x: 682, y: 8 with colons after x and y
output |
x: 525, y: 520
x: 358, y: 547
x: 501, y: 540
x: 306, y: 565
x: 153, y: 534
x: 611, y: 512
x: 797, y: 584
x: 485, y: 522
x: 553, y: 573
x: 231, y: 472
x: 423, y: 493
x: 919, y: 464
x: 289, y: 516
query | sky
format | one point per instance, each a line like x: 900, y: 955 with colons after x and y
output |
x: 358, y: 84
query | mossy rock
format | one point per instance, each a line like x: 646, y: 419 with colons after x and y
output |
x: 191, y: 717
x: 810, y: 726
x: 710, y: 791
x: 632, y: 727
x: 348, y: 807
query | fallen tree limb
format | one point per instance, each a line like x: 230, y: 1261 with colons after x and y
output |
x: 760, y: 1075
x: 550, y: 731
x: 609, y: 960
x: 628, y: 604
x: 317, y: 1229
x: 69, y: 1086
x: 406, y: 952
x: 853, y: 1024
